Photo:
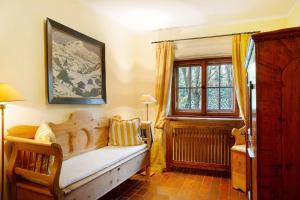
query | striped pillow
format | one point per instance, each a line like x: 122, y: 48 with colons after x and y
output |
x: 125, y: 132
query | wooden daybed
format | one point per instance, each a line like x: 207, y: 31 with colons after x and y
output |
x: 84, y: 166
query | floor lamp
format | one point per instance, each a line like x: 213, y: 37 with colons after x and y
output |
x: 147, y: 99
x: 7, y: 94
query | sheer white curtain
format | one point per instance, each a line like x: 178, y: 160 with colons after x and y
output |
x: 203, y: 48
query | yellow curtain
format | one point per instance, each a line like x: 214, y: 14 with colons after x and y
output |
x: 164, y: 70
x: 239, y: 52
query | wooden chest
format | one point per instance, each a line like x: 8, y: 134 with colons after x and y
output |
x: 238, y: 167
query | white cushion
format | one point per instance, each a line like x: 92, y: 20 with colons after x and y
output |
x: 239, y: 148
x: 44, y: 134
x: 84, y: 165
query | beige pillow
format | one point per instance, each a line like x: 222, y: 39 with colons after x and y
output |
x: 125, y: 132
x: 45, y: 134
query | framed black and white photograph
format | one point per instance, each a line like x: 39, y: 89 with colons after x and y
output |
x: 76, y: 66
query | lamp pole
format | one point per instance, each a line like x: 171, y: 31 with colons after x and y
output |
x: 147, y: 110
x: 2, y: 107
x: 147, y: 99
x: 7, y: 94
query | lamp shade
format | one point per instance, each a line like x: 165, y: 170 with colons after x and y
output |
x: 147, y: 99
x: 8, y: 94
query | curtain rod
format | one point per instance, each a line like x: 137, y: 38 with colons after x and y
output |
x: 203, y: 37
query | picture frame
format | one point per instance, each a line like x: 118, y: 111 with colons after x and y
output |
x: 75, y: 66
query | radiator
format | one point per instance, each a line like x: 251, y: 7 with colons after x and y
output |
x: 199, y: 147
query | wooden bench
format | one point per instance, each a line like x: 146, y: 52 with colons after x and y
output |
x: 238, y: 161
x: 32, y: 178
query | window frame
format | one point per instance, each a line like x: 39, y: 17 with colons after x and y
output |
x: 203, y: 113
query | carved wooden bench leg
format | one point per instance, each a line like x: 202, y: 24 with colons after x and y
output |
x: 148, y: 172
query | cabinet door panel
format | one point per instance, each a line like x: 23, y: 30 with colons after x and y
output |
x: 275, y: 121
x: 291, y: 125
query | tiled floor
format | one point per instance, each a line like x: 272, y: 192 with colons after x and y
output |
x: 177, y: 185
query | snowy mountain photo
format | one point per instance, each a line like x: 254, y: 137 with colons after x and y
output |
x: 76, y: 66
x: 76, y: 70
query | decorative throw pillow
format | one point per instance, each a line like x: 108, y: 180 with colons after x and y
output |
x: 45, y: 134
x: 125, y: 132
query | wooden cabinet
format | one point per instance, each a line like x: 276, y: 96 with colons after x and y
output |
x: 273, y: 140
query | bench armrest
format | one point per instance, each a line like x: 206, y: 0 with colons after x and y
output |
x: 25, y: 141
x: 146, y: 126
x: 36, y: 162
x: 239, y: 135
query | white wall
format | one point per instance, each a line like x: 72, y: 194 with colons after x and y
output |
x: 23, y: 59
x: 293, y: 18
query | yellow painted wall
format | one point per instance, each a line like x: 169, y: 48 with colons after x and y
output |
x: 293, y: 18
x: 23, y: 59
x: 130, y: 58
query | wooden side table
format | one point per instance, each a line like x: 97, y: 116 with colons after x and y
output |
x: 238, y: 167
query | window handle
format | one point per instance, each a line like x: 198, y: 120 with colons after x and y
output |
x: 251, y: 85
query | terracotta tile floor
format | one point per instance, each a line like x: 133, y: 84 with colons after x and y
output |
x: 177, y: 185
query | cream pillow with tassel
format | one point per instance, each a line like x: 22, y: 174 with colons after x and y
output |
x: 45, y: 134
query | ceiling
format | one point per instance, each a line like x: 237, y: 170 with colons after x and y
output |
x: 147, y: 15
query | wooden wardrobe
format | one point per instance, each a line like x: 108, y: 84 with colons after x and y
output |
x: 273, y: 139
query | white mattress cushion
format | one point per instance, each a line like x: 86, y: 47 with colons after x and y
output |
x: 84, y: 165
x: 240, y: 148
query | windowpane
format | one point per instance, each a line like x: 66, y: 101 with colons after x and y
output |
x: 212, y: 98
x: 196, y: 99
x: 226, y: 75
x: 183, y: 77
x: 213, y: 76
x: 226, y: 99
x: 183, y: 99
x: 196, y: 76
x: 219, y: 98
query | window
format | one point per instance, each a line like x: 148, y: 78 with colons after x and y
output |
x: 203, y: 88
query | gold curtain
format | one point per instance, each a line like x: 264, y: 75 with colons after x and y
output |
x: 164, y: 70
x: 239, y: 52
